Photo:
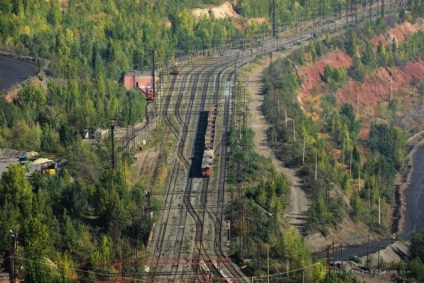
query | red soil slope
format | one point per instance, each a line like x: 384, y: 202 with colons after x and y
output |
x: 371, y: 95
x: 400, y: 32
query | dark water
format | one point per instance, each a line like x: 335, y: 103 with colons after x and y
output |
x: 414, y: 216
x: 13, y: 72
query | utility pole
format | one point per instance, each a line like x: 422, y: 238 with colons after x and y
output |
x: 382, y: 8
x: 274, y: 25
x: 316, y: 166
x: 378, y: 255
x: 347, y: 14
x: 368, y: 247
x: 263, y: 43
x: 391, y: 88
x: 304, y: 145
x: 356, y: 13
x: 13, y: 248
x: 285, y: 113
x: 328, y: 264
x: 154, y: 84
x: 327, y: 197
x: 369, y: 199
x: 112, y: 136
x: 359, y: 178
x: 267, y: 257
x: 357, y: 103
x: 278, y: 108
x: 270, y: 64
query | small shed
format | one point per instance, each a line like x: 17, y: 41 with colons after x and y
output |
x: 142, y: 80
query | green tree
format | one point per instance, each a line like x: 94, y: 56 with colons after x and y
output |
x: 49, y: 140
x: 368, y: 57
x: 382, y: 55
x: 352, y: 43
x: 357, y: 71
x: 35, y: 240
x: 416, y: 246
x: 15, y: 189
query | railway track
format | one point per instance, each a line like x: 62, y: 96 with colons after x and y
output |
x: 181, y: 162
x: 192, y: 210
x: 206, y: 260
x: 197, y: 212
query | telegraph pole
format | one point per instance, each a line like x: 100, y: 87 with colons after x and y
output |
x: 112, y: 128
x: 285, y: 113
x: 382, y: 8
x: 274, y: 25
x: 12, y: 273
x: 154, y: 84
x: 267, y: 257
x: 316, y: 166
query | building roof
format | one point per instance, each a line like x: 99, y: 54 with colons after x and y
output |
x: 135, y: 73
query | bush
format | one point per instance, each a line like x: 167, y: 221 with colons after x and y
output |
x: 417, y: 246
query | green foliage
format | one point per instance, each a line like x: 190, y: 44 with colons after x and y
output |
x: 416, y: 268
x: 368, y: 56
x: 15, y: 189
x: 389, y: 142
x: 35, y: 240
x: 358, y: 213
x: 273, y: 194
x: 336, y: 76
x: 244, y: 158
x: 339, y: 129
x: 87, y: 45
x: 348, y: 117
x: 66, y: 216
x: 357, y: 71
x: 416, y: 247
x: 324, y: 214
x: 351, y: 43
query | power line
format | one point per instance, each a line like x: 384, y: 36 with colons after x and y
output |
x: 283, y: 273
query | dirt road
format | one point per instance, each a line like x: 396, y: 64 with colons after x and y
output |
x: 298, y: 201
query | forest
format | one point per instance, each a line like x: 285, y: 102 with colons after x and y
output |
x: 67, y: 226
x: 366, y: 168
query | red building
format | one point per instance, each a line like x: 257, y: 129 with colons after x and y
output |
x: 140, y: 80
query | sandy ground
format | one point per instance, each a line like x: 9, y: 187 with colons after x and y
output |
x: 298, y: 201
x: 220, y: 12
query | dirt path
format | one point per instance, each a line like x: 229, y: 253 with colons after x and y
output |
x: 298, y: 201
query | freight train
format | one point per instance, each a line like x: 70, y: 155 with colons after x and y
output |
x: 209, y: 142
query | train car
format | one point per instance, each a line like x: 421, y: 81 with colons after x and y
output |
x: 175, y: 70
x: 208, y: 155
x: 150, y: 94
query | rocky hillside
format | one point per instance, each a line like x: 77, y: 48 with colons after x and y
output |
x: 370, y: 96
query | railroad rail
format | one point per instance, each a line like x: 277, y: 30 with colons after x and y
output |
x: 190, y: 196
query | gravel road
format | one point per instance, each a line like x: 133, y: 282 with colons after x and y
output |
x: 298, y: 201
